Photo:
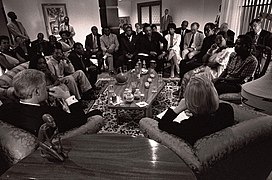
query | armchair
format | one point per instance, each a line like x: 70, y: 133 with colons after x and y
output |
x: 241, y: 151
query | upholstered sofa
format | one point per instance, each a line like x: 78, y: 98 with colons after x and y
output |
x: 242, y: 151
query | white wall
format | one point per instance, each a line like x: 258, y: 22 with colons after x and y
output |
x: 124, y: 8
x: 83, y: 14
x: 201, y: 11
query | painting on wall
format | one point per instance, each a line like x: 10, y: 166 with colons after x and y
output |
x: 124, y: 20
x: 53, y: 17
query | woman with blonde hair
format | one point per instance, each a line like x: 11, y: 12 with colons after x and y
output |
x: 207, y: 114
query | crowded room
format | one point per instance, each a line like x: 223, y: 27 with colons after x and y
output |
x: 136, y: 89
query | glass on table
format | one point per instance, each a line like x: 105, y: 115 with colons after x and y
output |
x: 124, y: 68
x: 159, y: 77
x: 142, y: 97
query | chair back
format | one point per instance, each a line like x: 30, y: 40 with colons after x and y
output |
x: 264, y: 59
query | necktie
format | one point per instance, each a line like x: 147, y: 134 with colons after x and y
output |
x: 255, y: 40
x: 192, y: 40
x: 82, y: 63
x: 94, y: 42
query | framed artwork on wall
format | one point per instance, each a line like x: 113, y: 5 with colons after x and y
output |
x: 124, y: 20
x: 53, y: 17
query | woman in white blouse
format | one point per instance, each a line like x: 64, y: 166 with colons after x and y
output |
x: 173, y: 48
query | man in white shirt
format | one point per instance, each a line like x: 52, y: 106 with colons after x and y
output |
x: 65, y: 26
x: 61, y: 67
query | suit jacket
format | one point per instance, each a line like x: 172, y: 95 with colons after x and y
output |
x: 178, y: 31
x: 197, y: 127
x: 17, y: 30
x: 89, y: 42
x: 79, y: 63
x: 29, y: 117
x: 164, y: 23
x: 198, y: 40
x: 265, y: 38
x: 145, y: 46
x: 127, y: 46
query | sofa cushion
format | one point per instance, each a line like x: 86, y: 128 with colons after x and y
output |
x: 6, y: 79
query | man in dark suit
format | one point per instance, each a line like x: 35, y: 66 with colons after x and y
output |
x: 93, y: 47
x: 80, y: 61
x: 128, y: 49
x: 149, y: 44
x: 228, y: 34
x: 30, y: 87
x: 40, y: 46
x: 259, y: 36
x: 165, y: 20
x: 182, y: 31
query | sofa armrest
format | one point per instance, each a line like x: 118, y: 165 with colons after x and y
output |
x: 150, y: 129
x: 93, y: 125
x: 212, y: 148
x: 15, y: 144
x: 242, y: 113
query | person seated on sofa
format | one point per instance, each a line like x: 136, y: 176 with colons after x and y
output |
x: 208, y: 115
x: 80, y: 61
x: 240, y: 68
x: 22, y: 50
x: 173, y: 49
x: 30, y: 87
x: 61, y: 67
x: 7, y: 56
x: 214, y: 62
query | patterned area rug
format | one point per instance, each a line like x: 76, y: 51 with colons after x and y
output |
x: 128, y: 120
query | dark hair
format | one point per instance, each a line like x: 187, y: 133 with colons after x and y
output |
x: 195, y: 23
x: 171, y: 25
x: 68, y: 33
x: 77, y: 44
x: 210, y: 25
x: 128, y: 27
x: 153, y: 26
x: 33, y: 63
x: 221, y: 33
x: 94, y: 27
x: 58, y: 46
x: 4, y: 37
x: 246, y: 40
x: 145, y: 25
x: 255, y: 21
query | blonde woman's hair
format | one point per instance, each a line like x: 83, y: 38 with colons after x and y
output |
x: 201, y: 96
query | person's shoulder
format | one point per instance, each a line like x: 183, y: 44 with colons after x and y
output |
x: 89, y: 35
x: 265, y: 32
x: 225, y: 108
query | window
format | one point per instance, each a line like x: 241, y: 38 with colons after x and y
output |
x: 253, y: 9
x: 149, y: 12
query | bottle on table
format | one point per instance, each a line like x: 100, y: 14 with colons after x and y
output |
x: 137, y: 94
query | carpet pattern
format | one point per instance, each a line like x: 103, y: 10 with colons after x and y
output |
x: 128, y: 120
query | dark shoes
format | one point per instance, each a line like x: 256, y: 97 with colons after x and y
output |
x: 89, y: 95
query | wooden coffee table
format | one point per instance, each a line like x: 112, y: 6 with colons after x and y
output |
x: 105, y: 156
x: 149, y: 96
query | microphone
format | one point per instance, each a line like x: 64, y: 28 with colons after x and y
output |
x: 49, y: 120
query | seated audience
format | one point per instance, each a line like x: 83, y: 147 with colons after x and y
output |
x: 93, y: 46
x: 187, y: 64
x: 207, y: 114
x: 66, y: 42
x: 138, y: 29
x: 192, y: 42
x: 16, y: 28
x: 214, y: 62
x: 228, y: 34
x: 7, y: 60
x: 241, y: 66
x: 66, y: 26
x: 149, y: 44
x: 61, y: 67
x: 182, y: 31
x: 30, y: 87
x: 81, y: 62
x: 173, y: 49
x: 21, y: 50
x: 40, y: 46
x: 109, y: 45
x: 128, y: 49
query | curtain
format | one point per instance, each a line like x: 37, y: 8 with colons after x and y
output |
x: 231, y: 11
